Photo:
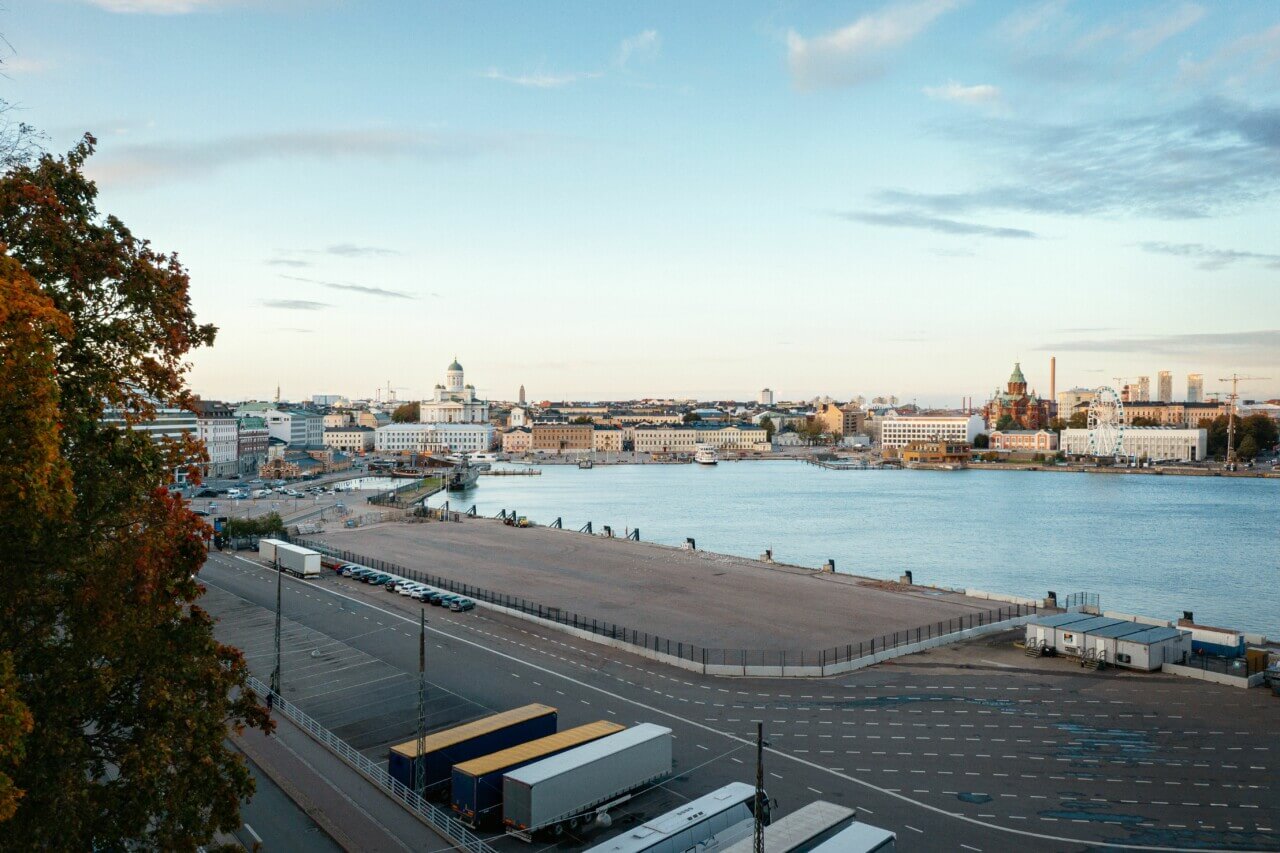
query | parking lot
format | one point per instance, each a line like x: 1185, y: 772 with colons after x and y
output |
x: 967, y: 747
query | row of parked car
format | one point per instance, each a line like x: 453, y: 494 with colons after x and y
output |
x: 406, y: 587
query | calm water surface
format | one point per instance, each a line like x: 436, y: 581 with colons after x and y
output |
x: 1152, y: 545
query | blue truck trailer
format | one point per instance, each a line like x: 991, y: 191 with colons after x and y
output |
x: 441, y: 750
x: 477, y: 784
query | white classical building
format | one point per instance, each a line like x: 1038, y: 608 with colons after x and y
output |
x: 1154, y: 443
x: 897, y: 431
x: 433, y: 438
x: 685, y: 438
x: 454, y: 402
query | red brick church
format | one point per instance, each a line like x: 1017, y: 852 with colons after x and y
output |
x: 1027, y: 410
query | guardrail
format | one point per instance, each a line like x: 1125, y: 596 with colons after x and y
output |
x: 439, y: 819
x: 825, y: 661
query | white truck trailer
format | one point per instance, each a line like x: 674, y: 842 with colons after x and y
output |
x: 577, y: 786
x: 294, y: 559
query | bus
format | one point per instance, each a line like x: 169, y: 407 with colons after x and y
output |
x: 802, y: 830
x: 710, y: 822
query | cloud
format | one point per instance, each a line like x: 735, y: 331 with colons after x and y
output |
x: 1207, y: 257
x: 1032, y: 20
x: 1252, y: 54
x: 353, y: 288
x: 351, y: 250
x: 855, y: 53
x: 20, y: 65
x: 288, y: 262
x: 1212, y: 157
x: 1157, y: 32
x: 147, y: 164
x: 1260, y: 344
x: 953, y: 91
x: 158, y: 7
x: 642, y: 45
x: 295, y: 304
x: 541, y: 79
x: 910, y: 219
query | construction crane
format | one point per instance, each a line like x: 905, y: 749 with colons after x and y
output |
x: 1235, y: 379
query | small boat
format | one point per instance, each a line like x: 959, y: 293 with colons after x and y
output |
x: 585, y: 464
x: 705, y: 455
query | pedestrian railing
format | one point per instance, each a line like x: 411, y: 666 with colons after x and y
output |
x: 704, y: 657
x: 442, y: 821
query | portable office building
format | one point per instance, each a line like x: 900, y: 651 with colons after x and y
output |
x: 703, y: 824
x: 477, y: 784
x: 1206, y: 640
x: 802, y: 830
x: 1121, y: 642
x: 442, y: 750
x: 1152, y: 648
x: 1048, y: 630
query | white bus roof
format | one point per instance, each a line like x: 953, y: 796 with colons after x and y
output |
x: 644, y: 836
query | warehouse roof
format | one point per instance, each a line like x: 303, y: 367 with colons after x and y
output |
x: 1154, y: 634
x: 1059, y: 620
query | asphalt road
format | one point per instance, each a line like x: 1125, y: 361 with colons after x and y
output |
x: 973, y: 747
x: 275, y: 822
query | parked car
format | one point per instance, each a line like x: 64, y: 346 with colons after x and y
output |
x: 393, y: 585
x: 409, y: 588
x: 200, y: 512
x: 446, y: 599
x: 461, y: 604
x: 356, y: 572
x: 379, y: 579
x: 207, y: 493
x: 423, y: 594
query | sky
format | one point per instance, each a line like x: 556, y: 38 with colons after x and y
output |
x: 605, y: 201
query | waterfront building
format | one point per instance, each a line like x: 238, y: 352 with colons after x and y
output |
x: 217, y: 428
x: 1154, y: 443
x: 562, y: 438
x: 937, y: 452
x: 454, y: 402
x: 372, y: 420
x: 766, y: 397
x: 1069, y: 400
x: 433, y: 438
x: 1195, y: 387
x: 1034, y: 440
x: 1027, y: 410
x: 1164, y: 386
x: 1175, y: 414
x: 517, y: 440
x: 645, y: 416
x: 1136, y: 392
x: 684, y: 438
x: 518, y: 417
x: 840, y: 420
x: 606, y: 439
x: 897, y: 430
x: 356, y: 440
x: 252, y: 438
x: 298, y: 428
x: 326, y: 400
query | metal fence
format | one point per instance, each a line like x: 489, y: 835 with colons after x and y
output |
x: 444, y: 822
x: 1239, y: 667
x: 1081, y: 599
x: 690, y: 651
x: 391, y: 497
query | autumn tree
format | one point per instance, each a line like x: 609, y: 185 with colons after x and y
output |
x: 406, y: 413
x: 129, y: 694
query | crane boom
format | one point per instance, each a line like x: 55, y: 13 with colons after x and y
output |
x: 1235, y: 379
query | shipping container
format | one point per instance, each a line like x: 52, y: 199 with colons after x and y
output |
x: 708, y: 823
x: 294, y: 559
x: 471, y: 740
x: 561, y: 792
x: 477, y: 784
x: 802, y: 830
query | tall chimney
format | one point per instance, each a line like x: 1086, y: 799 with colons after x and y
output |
x: 1053, y: 379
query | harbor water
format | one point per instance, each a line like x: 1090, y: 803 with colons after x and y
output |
x: 1147, y: 544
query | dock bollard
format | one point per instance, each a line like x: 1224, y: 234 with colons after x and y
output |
x: 906, y: 578
x: 690, y: 544
x: 829, y: 565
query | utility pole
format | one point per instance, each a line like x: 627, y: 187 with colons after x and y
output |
x: 1235, y: 379
x: 275, y: 673
x: 759, y: 809
x: 420, y: 762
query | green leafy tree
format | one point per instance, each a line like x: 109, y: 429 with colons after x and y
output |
x: 263, y: 525
x: 1078, y: 420
x: 691, y: 417
x: 581, y: 419
x: 406, y: 413
x: 129, y: 694
x: 769, y: 429
x: 1006, y: 423
x: 981, y: 441
x: 1248, y: 448
x: 1057, y: 425
x: 1144, y: 422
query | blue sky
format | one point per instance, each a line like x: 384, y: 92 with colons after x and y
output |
x: 607, y: 200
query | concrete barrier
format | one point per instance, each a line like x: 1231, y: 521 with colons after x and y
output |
x: 754, y: 671
x: 1214, y: 677
x: 1144, y: 620
x: 1000, y: 596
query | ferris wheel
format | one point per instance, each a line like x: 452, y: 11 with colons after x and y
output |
x: 1106, y: 423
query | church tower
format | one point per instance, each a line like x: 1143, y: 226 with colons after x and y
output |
x: 453, y: 377
x: 522, y: 395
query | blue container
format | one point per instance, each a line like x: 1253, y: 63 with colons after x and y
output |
x: 470, y: 740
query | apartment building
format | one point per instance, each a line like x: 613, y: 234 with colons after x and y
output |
x: 355, y: 440
x: 897, y: 431
x: 562, y: 438
x: 840, y: 420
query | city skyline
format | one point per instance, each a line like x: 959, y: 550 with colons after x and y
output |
x: 637, y: 201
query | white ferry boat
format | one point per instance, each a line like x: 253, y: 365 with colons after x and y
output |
x: 705, y: 455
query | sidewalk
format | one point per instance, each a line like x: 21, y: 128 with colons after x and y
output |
x: 357, y: 815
